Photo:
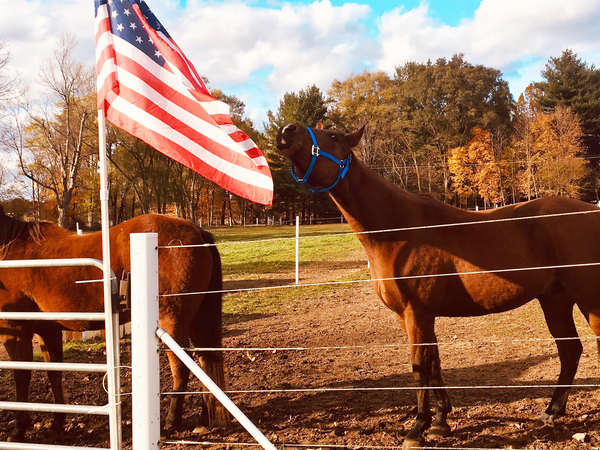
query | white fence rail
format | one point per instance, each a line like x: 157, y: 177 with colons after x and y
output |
x: 109, y: 316
x: 144, y: 351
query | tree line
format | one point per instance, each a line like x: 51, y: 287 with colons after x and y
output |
x: 445, y: 128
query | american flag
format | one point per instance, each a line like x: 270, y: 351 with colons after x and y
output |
x: 150, y: 89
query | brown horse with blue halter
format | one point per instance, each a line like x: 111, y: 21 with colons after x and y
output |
x: 430, y: 259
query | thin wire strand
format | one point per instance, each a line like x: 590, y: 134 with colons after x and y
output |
x: 335, y: 446
x: 390, y: 230
x: 398, y: 345
x: 393, y: 388
x: 408, y: 277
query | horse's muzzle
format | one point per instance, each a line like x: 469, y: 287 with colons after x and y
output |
x: 284, y: 136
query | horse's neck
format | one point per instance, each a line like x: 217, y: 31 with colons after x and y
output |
x: 369, y: 202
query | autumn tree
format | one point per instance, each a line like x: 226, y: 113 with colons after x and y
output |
x: 9, y: 91
x: 388, y: 146
x: 559, y: 145
x: 58, y: 136
x: 521, y: 155
x: 477, y: 169
x: 9, y: 83
x: 462, y: 174
x: 442, y: 102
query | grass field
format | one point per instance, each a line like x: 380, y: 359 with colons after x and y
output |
x: 257, y: 257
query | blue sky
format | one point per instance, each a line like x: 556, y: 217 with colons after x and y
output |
x: 260, y: 49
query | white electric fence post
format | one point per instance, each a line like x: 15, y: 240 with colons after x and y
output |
x: 145, y: 380
x: 297, y: 245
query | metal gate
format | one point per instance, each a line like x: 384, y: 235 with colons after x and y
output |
x: 112, y: 408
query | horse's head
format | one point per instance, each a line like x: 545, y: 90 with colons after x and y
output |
x: 319, y: 157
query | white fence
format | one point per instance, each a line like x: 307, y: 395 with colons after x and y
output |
x: 112, y: 408
x: 144, y: 351
x: 145, y: 359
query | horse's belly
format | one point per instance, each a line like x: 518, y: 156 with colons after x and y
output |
x: 480, y: 294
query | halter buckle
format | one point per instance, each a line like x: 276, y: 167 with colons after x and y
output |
x: 315, y: 150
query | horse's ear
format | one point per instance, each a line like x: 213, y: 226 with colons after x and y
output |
x: 354, y: 138
x: 320, y: 125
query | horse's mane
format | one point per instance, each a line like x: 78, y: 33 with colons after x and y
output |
x: 13, y: 229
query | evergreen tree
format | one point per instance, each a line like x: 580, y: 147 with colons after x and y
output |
x: 572, y: 83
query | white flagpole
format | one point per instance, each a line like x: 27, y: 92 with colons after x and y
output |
x: 112, y: 317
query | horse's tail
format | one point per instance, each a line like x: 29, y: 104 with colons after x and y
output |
x: 209, y: 326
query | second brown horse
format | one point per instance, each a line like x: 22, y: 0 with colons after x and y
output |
x: 181, y: 270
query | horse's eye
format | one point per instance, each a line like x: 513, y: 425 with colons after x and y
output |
x: 334, y: 137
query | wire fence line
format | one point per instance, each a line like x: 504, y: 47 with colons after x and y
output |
x: 390, y: 346
x: 331, y: 446
x: 389, y: 230
x: 393, y: 388
x: 407, y: 277
x: 543, y: 385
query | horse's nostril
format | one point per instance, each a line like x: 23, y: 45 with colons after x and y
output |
x: 290, y: 127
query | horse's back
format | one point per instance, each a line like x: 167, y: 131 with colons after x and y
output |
x: 184, y: 260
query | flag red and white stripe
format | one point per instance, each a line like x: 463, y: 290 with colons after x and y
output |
x: 150, y: 89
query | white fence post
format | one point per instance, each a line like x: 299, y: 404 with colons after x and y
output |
x: 144, y: 342
x: 297, y: 246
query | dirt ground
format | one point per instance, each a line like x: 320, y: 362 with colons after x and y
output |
x: 357, y: 370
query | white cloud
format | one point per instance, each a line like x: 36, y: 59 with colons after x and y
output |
x: 299, y: 44
x: 30, y: 28
x: 291, y: 45
x: 259, y: 53
x: 501, y: 33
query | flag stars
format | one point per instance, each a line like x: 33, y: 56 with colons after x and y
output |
x: 138, y: 39
x: 157, y: 54
x: 114, y: 14
x: 126, y: 12
x: 120, y: 27
x: 132, y: 25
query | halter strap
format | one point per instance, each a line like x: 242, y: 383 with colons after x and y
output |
x: 316, y: 151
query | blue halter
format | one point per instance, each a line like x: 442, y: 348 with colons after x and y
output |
x: 316, y: 152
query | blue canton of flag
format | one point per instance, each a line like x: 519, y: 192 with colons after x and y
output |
x: 125, y: 24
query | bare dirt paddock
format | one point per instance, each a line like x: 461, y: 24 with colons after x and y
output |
x: 346, y: 395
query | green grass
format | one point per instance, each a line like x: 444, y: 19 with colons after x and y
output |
x: 248, y: 252
x: 272, y: 301
x: 265, y: 256
x: 73, y: 349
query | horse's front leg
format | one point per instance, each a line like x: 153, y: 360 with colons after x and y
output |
x: 422, y: 340
x: 19, y: 347
x: 179, y: 331
x: 52, y: 350
x: 439, y: 427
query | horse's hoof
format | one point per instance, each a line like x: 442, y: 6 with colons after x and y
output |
x: 545, y: 420
x: 438, y: 431
x: 167, y: 432
x: 57, y: 428
x: 16, y: 436
x: 412, y: 443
